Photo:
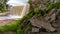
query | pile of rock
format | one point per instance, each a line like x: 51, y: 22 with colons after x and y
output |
x: 46, y: 22
x: 49, y: 21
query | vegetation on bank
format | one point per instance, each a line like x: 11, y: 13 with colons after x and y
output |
x: 3, y: 6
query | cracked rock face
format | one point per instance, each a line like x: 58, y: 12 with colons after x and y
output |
x: 41, y: 23
x: 35, y: 29
x: 45, y: 21
x: 50, y: 20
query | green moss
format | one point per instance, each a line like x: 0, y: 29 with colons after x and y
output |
x: 29, y: 1
x: 37, y: 12
x: 36, y: 9
x: 51, y: 6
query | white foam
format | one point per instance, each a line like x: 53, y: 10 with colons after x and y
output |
x: 9, y: 17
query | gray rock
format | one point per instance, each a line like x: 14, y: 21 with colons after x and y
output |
x: 56, y: 1
x: 41, y: 23
x: 35, y: 29
x: 10, y: 32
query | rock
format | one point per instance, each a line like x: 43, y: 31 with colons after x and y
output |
x: 34, y: 33
x: 57, y: 19
x: 1, y: 33
x: 35, y: 29
x: 10, y: 32
x: 56, y: 1
x: 53, y: 17
x: 35, y: 21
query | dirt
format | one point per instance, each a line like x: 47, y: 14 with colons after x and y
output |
x: 6, y: 22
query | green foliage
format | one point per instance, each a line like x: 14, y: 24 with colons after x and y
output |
x: 29, y: 1
x: 51, y: 6
x: 15, y: 26
x: 5, y: 1
x: 12, y: 26
x: 3, y: 6
x: 19, y: 30
x: 37, y: 12
x: 38, y: 15
x: 28, y: 27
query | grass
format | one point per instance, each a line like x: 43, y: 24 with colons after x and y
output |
x: 12, y: 26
